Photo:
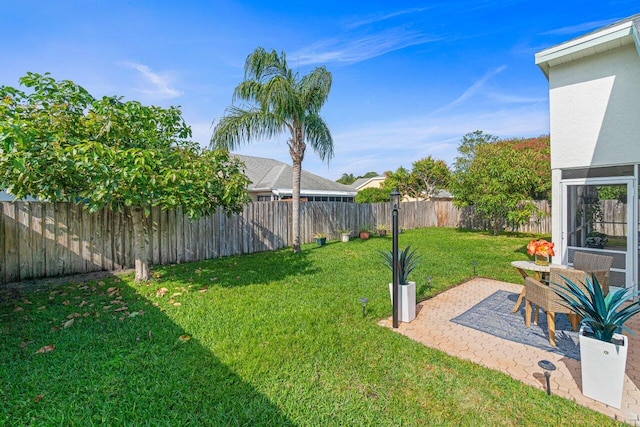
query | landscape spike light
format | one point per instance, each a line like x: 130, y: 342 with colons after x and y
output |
x: 364, y: 302
x: 548, y: 367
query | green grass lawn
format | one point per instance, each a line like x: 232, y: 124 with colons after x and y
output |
x: 265, y: 339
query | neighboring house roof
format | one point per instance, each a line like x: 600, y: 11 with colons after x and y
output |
x: 273, y: 175
x: 442, y: 194
x: 361, y: 183
x: 8, y: 197
x: 613, y: 36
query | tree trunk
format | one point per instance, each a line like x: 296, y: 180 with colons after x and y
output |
x: 140, y: 243
x: 295, y: 215
x: 497, y: 226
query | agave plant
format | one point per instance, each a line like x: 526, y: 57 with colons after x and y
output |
x: 407, y: 261
x: 604, y: 316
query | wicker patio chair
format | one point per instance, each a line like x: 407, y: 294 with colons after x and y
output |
x: 543, y: 296
x: 590, y: 262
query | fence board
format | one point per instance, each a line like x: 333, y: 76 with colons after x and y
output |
x: 24, y: 239
x: 12, y: 251
x: 107, y: 235
x: 96, y: 246
x: 37, y: 240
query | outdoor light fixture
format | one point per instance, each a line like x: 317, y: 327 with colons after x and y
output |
x: 395, y: 199
x: 395, y: 202
x: 364, y: 302
x: 428, y: 281
x: 548, y: 367
x: 474, y: 264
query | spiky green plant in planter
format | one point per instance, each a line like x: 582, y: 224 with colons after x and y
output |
x: 407, y: 262
x: 406, y: 292
x: 603, y: 349
x: 603, y: 315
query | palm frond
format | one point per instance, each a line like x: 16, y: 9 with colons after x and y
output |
x: 241, y: 126
x: 314, y: 89
x: 319, y: 137
x: 279, y: 96
x: 247, y: 90
x: 262, y: 65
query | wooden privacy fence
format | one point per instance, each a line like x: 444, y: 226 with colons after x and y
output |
x: 40, y: 239
x: 614, y: 218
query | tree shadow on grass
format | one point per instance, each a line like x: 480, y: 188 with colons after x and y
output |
x: 244, y: 270
x: 116, y: 359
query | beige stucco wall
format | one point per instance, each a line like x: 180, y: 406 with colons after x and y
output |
x: 373, y: 183
x: 595, y: 110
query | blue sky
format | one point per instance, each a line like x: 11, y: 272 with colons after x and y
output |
x: 409, y: 78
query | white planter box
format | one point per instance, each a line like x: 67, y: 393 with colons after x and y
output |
x: 603, y: 366
x: 345, y: 237
x: 407, y: 301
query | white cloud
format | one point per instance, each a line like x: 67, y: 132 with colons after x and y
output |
x: 512, y: 99
x: 472, y: 90
x: 361, y: 48
x: 153, y: 84
x: 384, y: 17
x: 579, y: 28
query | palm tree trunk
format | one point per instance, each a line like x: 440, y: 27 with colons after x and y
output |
x: 295, y: 215
x: 139, y: 244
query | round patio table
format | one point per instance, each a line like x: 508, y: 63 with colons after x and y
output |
x: 541, y: 273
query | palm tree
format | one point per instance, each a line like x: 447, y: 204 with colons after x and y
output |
x: 278, y: 100
x: 346, y: 179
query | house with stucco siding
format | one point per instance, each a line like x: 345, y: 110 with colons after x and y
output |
x: 594, y: 104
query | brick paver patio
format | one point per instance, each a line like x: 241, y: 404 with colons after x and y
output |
x: 433, y: 328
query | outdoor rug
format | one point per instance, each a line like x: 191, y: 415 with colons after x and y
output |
x: 493, y: 315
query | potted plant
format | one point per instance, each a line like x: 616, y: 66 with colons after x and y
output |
x: 365, y: 232
x: 596, y: 240
x: 541, y: 250
x: 344, y: 235
x: 407, y: 261
x: 320, y: 237
x: 382, y: 229
x: 603, y: 348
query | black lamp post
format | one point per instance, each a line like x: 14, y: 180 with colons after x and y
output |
x: 395, y: 203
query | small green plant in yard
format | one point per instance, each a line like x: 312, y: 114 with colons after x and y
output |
x: 274, y: 338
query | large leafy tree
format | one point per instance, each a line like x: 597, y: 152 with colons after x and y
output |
x: 501, y: 178
x: 426, y: 178
x: 373, y: 195
x: 399, y: 180
x: 59, y: 143
x: 276, y: 100
x: 429, y: 176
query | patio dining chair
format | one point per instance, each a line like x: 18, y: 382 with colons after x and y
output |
x: 543, y: 296
x: 591, y: 262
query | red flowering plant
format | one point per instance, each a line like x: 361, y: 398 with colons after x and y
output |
x: 541, y: 248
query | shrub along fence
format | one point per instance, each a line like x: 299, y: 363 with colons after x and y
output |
x: 40, y: 239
